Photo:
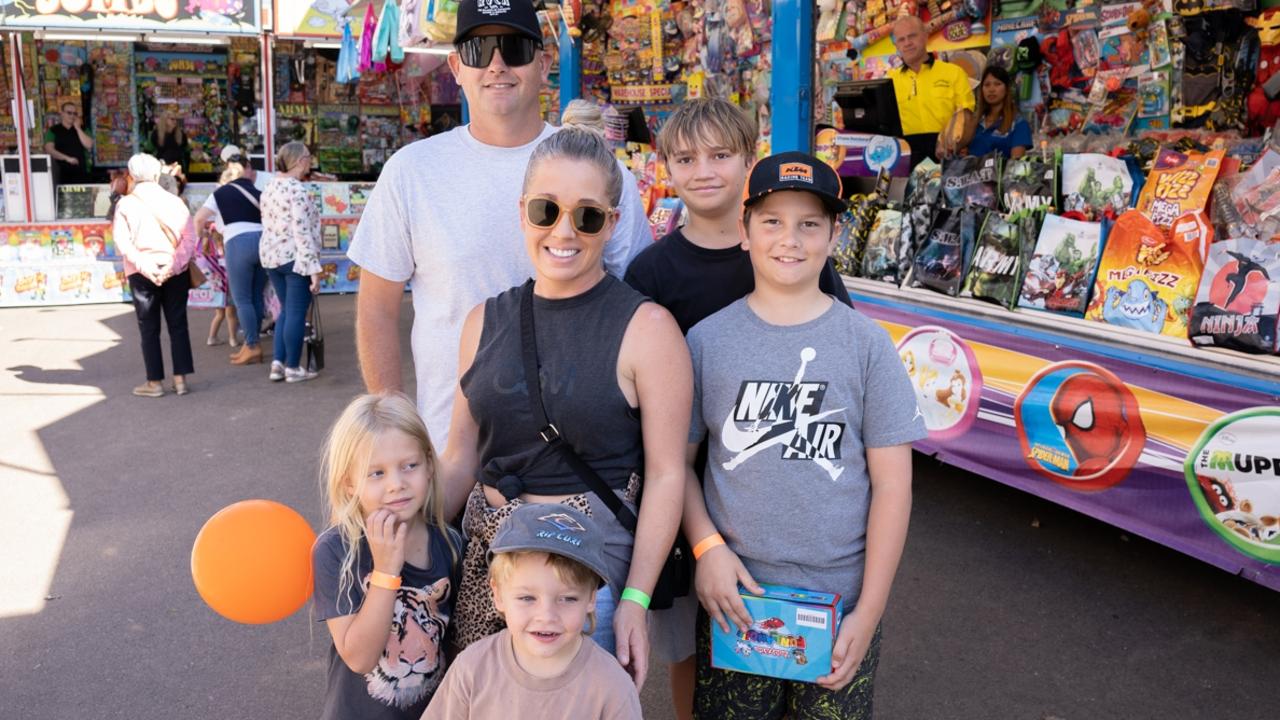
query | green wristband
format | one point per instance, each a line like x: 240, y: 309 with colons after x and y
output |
x: 638, y: 597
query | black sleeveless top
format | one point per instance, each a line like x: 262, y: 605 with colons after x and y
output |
x: 234, y: 207
x: 578, y: 341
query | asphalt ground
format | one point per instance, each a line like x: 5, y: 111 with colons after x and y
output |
x: 1005, y: 606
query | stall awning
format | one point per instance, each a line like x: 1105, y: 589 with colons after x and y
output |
x: 221, y: 17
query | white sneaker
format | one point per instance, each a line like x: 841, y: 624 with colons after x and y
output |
x: 298, y: 374
x: 277, y: 371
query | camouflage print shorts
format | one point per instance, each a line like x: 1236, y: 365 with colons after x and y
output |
x: 728, y: 695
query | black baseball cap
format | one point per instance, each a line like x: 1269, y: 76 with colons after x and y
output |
x: 795, y: 171
x: 516, y: 14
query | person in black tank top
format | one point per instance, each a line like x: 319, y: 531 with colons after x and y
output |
x: 615, y: 379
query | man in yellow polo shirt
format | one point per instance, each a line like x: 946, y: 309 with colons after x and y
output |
x: 930, y: 92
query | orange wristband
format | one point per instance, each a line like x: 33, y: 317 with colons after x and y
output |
x: 706, y: 544
x: 384, y: 581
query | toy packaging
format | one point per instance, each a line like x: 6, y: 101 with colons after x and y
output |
x: 1147, y: 279
x: 1029, y: 183
x: 1179, y: 184
x: 1239, y: 297
x: 940, y: 263
x: 1095, y: 185
x: 1060, y: 271
x: 790, y: 638
x: 971, y: 181
x: 997, y: 270
x: 880, y: 258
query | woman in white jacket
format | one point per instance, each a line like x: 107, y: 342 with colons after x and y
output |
x: 153, y: 231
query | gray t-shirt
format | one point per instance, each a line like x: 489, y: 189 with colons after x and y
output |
x: 790, y: 411
x: 445, y: 215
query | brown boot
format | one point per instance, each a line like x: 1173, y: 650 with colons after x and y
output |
x: 247, y: 355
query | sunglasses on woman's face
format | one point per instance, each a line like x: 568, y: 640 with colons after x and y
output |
x: 587, y: 218
x: 516, y: 50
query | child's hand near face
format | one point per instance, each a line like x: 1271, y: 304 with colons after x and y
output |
x: 386, y: 536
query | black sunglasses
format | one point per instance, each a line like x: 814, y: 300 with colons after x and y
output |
x: 516, y: 50
x: 588, y: 218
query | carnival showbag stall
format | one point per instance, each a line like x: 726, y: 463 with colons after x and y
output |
x: 1094, y: 321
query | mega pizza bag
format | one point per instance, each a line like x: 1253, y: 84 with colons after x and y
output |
x: 1147, y: 279
x: 1179, y: 184
x: 1238, y: 302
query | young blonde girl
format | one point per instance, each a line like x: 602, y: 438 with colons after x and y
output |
x: 386, y: 568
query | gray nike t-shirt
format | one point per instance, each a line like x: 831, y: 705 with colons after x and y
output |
x: 790, y: 411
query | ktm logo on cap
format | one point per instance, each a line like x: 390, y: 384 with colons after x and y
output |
x: 795, y: 171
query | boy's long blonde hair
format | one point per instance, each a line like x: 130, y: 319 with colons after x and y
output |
x: 708, y: 122
x: 345, y: 464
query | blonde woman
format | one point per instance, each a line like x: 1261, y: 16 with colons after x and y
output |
x: 290, y: 251
x: 170, y: 140
x: 153, y: 230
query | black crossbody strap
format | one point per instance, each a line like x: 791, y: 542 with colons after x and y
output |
x: 549, y: 433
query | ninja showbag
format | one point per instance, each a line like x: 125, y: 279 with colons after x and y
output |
x: 1147, y: 280
x: 1239, y: 297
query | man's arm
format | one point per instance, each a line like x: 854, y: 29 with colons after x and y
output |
x: 378, y: 332
x: 85, y: 140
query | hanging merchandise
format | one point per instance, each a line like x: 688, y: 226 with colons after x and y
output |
x: 386, y: 41
x: 429, y: 21
x: 1238, y: 301
x: 348, y: 57
x: 1061, y: 269
x: 1147, y: 279
x: 366, y: 40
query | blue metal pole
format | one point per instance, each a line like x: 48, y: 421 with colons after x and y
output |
x: 570, y: 67
x: 791, y: 93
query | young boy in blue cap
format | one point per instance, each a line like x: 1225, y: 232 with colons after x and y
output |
x: 545, y: 565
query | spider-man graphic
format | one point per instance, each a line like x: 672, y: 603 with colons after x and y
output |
x: 1094, y: 423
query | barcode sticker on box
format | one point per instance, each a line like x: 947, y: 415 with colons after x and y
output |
x: 811, y: 618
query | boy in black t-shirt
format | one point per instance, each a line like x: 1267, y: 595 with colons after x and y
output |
x: 708, y: 146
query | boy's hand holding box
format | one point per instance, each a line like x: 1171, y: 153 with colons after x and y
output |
x: 791, y: 636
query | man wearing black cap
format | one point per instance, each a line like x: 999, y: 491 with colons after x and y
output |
x: 444, y: 215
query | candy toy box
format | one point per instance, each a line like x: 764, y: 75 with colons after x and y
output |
x: 791, y: 637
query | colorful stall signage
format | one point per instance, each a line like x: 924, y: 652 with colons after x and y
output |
x: 1179, y: 451
x: 238, y: 17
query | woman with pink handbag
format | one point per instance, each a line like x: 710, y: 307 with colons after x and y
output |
x: 153, y: 231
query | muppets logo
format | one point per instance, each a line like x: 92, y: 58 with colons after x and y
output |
x: 1079, y: 425
x: 1233, y: 476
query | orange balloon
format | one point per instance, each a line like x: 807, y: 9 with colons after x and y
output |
x: 251, y: 561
